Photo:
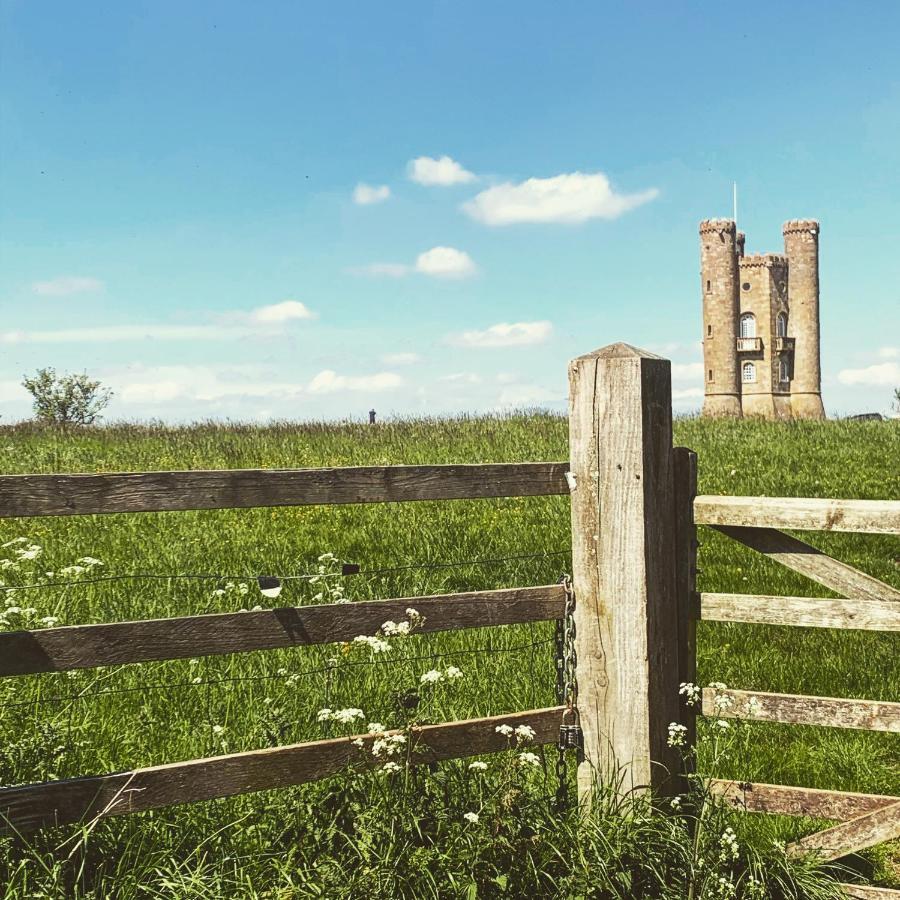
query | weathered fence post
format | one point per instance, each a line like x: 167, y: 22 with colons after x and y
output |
x: 624, y: 567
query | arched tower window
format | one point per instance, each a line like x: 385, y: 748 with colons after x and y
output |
x: 784, y: 373
x: 748, y: 372
x: 748, y: 325
x: 781, y: 326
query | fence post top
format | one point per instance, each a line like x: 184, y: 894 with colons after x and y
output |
x: 619, y: 350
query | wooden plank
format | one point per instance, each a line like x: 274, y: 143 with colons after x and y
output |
x: 796, y: 709
x: 813, y: 563
x: 867, y: 892
x: 72, y: 495
x: 789, y: 800
x: 623, y: 552
x: 800, y: 513
x: 81, y: 799
x: 86, y: 646
x: 851, y: 836
x: 685, y: 481
x: 807, y: 612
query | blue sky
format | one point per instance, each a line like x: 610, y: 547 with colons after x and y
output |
x: 217, y: 208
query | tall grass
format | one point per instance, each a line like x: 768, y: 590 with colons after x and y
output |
x: 278, y: 843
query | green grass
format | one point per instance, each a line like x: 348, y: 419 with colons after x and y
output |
x: 153, y: 713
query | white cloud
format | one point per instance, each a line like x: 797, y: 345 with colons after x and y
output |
x: 401, y: 359
x: 445, y: 262
x: 367, y: 194
x: 505, y: 334
x: 570, y: 198
x: 462, y: 378
x: 687, y: 394
x: 687, y: 371
x: 286, y: 311
x: 879, y: 375
x: 66, y: 285
x: 438, y: 262
x: 154, y: 385
x: 889, y: 352
x: 383, y: 270
x: 329, y: 382
x: 265, y: 320
x: 443, y: 172
x: 527, y: 395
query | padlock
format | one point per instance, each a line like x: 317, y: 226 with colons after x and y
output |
x: 570, y: 733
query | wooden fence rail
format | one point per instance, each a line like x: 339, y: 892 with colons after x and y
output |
x: 82, y: 799
x: 88, y: 646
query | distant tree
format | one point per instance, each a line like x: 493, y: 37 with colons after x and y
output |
x: 66, y: 399
x: 897, y: 400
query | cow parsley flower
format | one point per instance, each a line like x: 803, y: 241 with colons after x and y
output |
x: 677, y: 735
x: 375, y: 644
x: 452, y: 673
x: 505, y: 730
x: 391, y: 767
x: 471, y: 818
x: 525, y: 733
x: 690, y: 692
x: 478, y: 766
x: 432, y: 677
x: 529, y: 759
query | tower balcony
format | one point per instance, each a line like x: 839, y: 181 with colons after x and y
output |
x: 784, y: 344
x: 749, y: 345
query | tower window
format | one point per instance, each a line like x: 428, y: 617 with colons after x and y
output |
x: 708, y: 285
x: 784, y: 373
x: 746, y: 285
x: 748, y: 325
x: 709, y: 330
x: 781, y: 326
x: 748, y: 372
x: 709, y: 375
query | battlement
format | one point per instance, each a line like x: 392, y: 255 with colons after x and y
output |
x: 718, y: 226
x: 795, y: 226
x: 763, y: 260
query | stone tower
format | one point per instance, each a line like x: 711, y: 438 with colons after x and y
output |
x: 719, y: 274
x: 761, y: 324
x: 801, y: 245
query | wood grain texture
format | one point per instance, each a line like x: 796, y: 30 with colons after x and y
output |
x: 851, y: 836
x: 807, y: 612
x: 812, y: 562
x: 86, y: 646
x: 34, y: 806
x: 790, y: 800
x: 685, y: 483
x: 72, y: 495
x: 623, y: 552
x: 866, y: 892
x: 800, y: 513
x: 796, y: 709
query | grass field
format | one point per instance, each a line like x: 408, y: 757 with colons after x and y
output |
x: 93, y: 722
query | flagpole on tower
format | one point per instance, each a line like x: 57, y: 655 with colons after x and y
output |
x: 734, y: 200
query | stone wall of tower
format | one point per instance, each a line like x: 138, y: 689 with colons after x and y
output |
x: 763, y: 295
x: 719, y: 284
x: 801, y: 245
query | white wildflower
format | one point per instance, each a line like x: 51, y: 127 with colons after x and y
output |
x: 376, y: 728
x: 324, y: 715
x: 525, y: 733
x: 72, y: 571
x: 675, y: 802
x: 677, y: 735
x: 90, y: 561
x: 347, y: 716
x: 375, y: 644
x: 49, y: 621
x: 390, y: 629
x: 722, y: 725
x: 359, y: 743
x: 690, y: 692
x: 529, y: 759
x: 15, y: 541
x: 391, y: 767
x: 218, y: 730
x: 432, y: 677
x: 478, y: 766
x: 452, y: 672
x: 471, y: 818
x: 505, y: 730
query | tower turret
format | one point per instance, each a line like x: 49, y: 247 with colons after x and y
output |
x: 719, y: 284
x: 801, y: 246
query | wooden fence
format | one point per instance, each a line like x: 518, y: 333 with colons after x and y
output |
x: 634, y: 513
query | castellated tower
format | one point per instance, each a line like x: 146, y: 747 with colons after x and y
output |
x: 719, y: 283
x: 801, y: 245
x: 761, y: 324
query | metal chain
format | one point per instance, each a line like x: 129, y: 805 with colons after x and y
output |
x: 566, y: 690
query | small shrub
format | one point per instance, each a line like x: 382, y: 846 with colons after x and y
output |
x: 66, y: 399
